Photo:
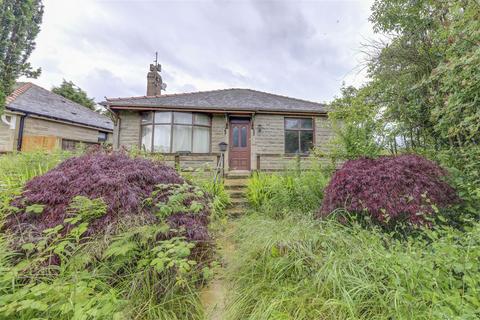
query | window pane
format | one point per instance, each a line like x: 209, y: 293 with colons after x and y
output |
x: 182, y: 138
x: 147, y: 138
x: 235, y: 137
x: 201, y: 140
x: 202, y: 119
x: 182, y: 117
x: 243, y: 137
x: 146, y: 117
x: 291, y: 123
x: 307, y: 123
x: 306, y: 141
x: 161, y: 142
x: 102, y: 136
x: 163, y: 117
x: 291, y: 142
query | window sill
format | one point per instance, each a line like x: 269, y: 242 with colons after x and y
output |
x: 294, y: 155
x: 185, y: 154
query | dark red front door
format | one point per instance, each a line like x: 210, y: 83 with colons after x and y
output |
x: 239, y: 151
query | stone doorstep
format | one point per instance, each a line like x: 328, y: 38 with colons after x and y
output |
x: 238, y: 175
x: 235, y: 182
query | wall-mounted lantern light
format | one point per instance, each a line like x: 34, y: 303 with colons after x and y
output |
x: 259, y: 128
x: 223, y: 146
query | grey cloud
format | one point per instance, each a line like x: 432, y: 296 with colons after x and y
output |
x: 291, y: 48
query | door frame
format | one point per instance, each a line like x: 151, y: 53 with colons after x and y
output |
x: 240, y: 120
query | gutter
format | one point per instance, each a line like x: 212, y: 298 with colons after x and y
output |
x: 117, y: 121
x: 20, y: 131
x: 63, y: 120
x: 218, y: 110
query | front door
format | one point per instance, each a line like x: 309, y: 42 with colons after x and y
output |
x: 239, y: 150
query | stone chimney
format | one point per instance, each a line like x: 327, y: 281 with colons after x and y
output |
x: 154, y: 81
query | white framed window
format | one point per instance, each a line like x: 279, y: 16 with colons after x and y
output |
x: 171, y: 132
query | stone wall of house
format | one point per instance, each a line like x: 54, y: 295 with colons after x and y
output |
x: 269, y: 142
x: 323, y: 133
x: 43, y: 127
x: 8, y: 137
x: 218, y: 132
x: 129, y: 135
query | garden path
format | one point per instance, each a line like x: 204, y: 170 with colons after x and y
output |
x: 214, y: 296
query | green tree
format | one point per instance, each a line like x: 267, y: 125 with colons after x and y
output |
x: 72, y: 92
x: 19, y: 25
x: 359, y: 133
x: 427, y: 72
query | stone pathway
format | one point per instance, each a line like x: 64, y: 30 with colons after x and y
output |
x: 214, y: 296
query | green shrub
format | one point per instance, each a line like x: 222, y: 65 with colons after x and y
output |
x: 290, y: 191
x: 137, y: 269
x: 305, y: 269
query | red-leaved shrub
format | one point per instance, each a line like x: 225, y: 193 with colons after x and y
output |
x: 121, y: 181
x: 406, y: 187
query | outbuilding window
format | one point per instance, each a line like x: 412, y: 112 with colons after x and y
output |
x: 298, y: 135
x: 171, y: 132
x: 102, y: 136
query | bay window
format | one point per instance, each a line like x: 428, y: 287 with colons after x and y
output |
x: 171, y: 132
x: 298, y: 135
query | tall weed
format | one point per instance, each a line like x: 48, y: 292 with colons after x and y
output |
x: 291, y: 191
x: 305, y: 269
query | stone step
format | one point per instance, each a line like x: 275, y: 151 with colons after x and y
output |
x: 238, y: 202
x: 236, y: 212
x: 237, y: 193
x: 238, y: 174
x: 235, y: 182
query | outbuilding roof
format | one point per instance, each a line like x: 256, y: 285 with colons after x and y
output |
x: 222, y: 100
x: 30, y: 98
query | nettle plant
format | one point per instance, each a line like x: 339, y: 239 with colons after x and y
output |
x: 58, y: 243
x: 389, y: 190
x: 142, y: 232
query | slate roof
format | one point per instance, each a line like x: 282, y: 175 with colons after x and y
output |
x: 225, y: 99
x: 30, y: 98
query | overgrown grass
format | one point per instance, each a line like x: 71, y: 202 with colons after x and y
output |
x: 298, y: 268
x: 287, y: 192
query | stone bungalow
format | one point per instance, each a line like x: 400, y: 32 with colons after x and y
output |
x: 262, y: 131
x: 38, y: 119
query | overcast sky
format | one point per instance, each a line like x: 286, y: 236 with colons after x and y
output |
x: 303, y: 49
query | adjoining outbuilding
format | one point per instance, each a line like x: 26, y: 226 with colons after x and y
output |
x: 38, y: 119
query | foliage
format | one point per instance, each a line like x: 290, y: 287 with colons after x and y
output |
x: 94, y: 175
x: 17, y: 169
x: 130, y: 275
x: 464, y: 169
x: 291, y: 191
x: 303, y: 269
x: 389, y: 189
x: 357, y: 131
x: 455, y: 83
x: 221, y: 198
x: 423, y: 91
x: 138, y: 267
x: 72, y: 92
x: 19, y: 24
x: 427, y: 75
